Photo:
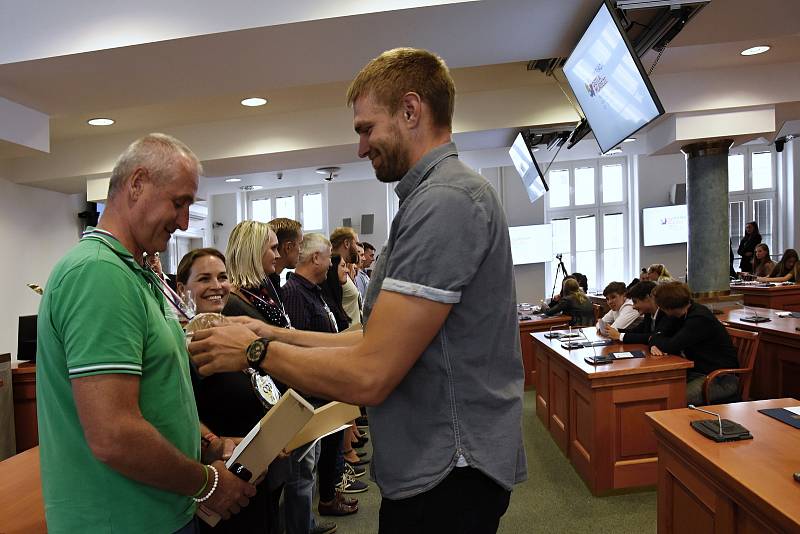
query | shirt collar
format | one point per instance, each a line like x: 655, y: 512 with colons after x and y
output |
x: 107, y: 238
x: 422, y: 169
x: 305, y: 282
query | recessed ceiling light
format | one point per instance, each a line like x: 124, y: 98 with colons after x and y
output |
x: 100, y: 122
x: 254, y: 102
x: 752, y: 51
x: 629, y: 140
x: 233, y: 180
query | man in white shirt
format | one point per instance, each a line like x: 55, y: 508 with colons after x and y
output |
x: 622, y: 314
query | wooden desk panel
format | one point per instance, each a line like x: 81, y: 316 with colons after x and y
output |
x: 538, y: 323
x: 26, y: 427
x: 740, y: 487
x: 777, y: 369
x: 22, y: 511
x: 776, y: 297
x: 596, y: 414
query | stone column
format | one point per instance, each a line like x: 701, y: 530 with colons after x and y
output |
x: 707, y: 206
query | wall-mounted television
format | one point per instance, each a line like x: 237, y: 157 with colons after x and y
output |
x: 665, y: 225
x: 527, y: 167
x: 531, y: 244
x: 609, y: 81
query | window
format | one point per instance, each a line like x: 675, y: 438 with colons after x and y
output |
x: 588, y: 212
x: 307, y: 205
x: 752, y: 195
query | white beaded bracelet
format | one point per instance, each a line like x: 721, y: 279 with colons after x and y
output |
x: 213, y: 486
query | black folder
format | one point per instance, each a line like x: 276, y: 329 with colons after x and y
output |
x: 783, y: 415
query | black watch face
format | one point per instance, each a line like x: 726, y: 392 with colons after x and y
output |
x: 255, y: 351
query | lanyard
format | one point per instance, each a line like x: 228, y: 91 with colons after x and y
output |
x: 271, y: 302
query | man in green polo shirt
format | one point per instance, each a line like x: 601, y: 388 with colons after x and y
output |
x: 118, y: 427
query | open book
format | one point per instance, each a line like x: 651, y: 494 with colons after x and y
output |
x: 291, y: 423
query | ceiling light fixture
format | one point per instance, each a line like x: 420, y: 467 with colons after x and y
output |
x: 329, y: 172
x: 233, y: 180
x: 753, y: 50
x: 254, y: 101
x: 99, y: 121
x: 629, y: 140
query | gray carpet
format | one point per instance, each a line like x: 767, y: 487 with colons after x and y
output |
x: 553, y: 500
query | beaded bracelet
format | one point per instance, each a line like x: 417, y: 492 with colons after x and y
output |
x: 213, y: 487
x: 205, y: 484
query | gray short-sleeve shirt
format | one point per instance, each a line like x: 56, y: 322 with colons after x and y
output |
x: 462, y: 399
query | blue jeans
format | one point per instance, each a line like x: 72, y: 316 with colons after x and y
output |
x: 298, y: 494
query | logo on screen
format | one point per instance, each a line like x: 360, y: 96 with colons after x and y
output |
x: 599, y: 81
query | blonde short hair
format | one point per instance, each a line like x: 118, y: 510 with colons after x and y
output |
x: 407, y: 70
x: 342, y: 234
x: 245, y: 250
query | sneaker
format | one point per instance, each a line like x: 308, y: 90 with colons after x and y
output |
x: 337, y: 507
x: 324, y: 528
x: 354, y: 472
x: 361, y: 454
x: 350, y: 484
x: 362, y: 421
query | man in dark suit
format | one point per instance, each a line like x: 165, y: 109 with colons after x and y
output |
x: 700, y: 338
x: 654, y: 320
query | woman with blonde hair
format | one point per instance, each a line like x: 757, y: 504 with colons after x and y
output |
x: 574, y: 303
x: 658, y: 273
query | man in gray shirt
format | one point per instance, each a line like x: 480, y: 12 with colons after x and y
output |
x: 438, y: 362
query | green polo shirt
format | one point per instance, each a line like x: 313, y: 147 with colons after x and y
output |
x: 102, y: 313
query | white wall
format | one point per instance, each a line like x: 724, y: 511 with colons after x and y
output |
x: 225, y: 209
x: 36, y: 228
x: 656, y: 176
x: 354, y: 199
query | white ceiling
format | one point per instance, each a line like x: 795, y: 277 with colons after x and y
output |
x: 183, y: 66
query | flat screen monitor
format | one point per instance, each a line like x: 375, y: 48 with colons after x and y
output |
x: 528, y: 169
x: 531, y: 244
x: 665, y: 225
x: 609, y: 82
x: 26, y: 338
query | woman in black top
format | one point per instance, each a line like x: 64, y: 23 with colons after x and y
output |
x: 332, y: 291
x: 232, y: 403
x: 747, y: 246
x: 574, y: 303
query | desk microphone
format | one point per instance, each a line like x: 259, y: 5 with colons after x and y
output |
x: 594, y: 350
x: 719, y: 418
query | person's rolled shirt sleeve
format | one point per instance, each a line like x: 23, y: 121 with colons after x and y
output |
x: 427, y: 261
x: 100, y: 321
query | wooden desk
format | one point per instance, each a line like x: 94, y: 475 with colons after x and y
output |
x: 22, y: 511
x: 26, y: 427
x: 745, y: 486
x: 776, y: 297
x: 596, y: 414
x: 777, y: 369
x: 538, y: 323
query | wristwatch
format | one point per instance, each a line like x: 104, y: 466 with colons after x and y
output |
x: 256, y: 353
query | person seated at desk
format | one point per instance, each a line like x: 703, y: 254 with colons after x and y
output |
x: 787, y: 270
x: 700, y: 337
x: 574, y: 303
x: 762, y: 263
x: 622, y: 314
x: 653, y: 321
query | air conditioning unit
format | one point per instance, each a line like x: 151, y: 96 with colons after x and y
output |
x: 677, y: 194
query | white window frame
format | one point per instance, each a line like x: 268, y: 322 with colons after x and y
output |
x: 749, y: 195
x: 297, y: 192
x: 598, y: 210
